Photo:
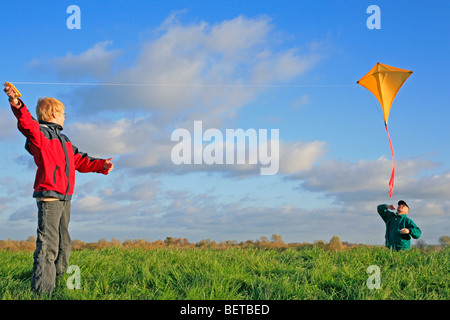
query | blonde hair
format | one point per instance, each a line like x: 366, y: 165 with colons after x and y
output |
x: 46, y: 107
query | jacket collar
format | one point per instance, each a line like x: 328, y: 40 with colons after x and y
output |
x: 399, y: 215
x: 51, y: 125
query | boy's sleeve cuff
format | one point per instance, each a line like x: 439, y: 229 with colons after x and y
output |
x: 18, y: 106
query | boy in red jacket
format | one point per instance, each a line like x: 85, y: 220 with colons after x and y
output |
x: 56, y: 160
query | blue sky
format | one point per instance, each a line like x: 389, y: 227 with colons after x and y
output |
x: 285, y: 65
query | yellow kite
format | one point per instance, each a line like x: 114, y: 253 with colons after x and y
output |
x: 384, y: 82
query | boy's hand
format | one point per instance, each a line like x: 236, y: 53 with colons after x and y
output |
x: 11, y: 93
x: 108, y: 165
x: 404, y: 231
x: 391, y: 207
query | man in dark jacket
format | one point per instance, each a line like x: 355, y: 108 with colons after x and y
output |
x: 56, y: 160
x: 399, y: 228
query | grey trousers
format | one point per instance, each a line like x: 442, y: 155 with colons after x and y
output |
x: 53, y: 244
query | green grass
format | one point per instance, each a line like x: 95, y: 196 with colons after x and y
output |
x: 237, y: 274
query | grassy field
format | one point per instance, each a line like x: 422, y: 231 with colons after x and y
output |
x: 238, y: 274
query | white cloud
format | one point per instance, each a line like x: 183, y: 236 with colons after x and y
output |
x: 186, y: 72
x: 239, y: 36
x: 300, y: 156
x: 94, y: 62
x: 105, y: 137
x: 352, y: 184
x: 433, y: 187
x: 91, y: 204
x: 197, y: 214
x: 195, y: 71
x: 137, y: 206
x: 284, y: 66
x: 335, y: 176
x: 140, y: 145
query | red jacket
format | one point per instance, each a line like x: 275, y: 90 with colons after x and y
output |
x: 55, y: 156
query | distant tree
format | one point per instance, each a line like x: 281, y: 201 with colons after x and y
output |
x: 128, y: 243
x: 78, y: 244
x: 277, y: 238
x: 263, y: 239
x: 319, y: 243
x: 203, y: 243
x: 178, y: 241
x: 229, y: 243
x: 421, y: 244
x: 115, y: 242
x: 102, y: 243
x: 248, y: 243
x: 444, y: 241
x: 169, y: 241
x: 158, y: 243
x: 335, y: 244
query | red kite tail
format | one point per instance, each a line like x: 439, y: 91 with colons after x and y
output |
x: 391, y: 181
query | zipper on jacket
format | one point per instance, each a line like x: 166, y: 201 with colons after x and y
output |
x: 54, y: 174
x: 66, y: 155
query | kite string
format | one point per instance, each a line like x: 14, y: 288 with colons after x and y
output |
x: 180, y: 84
x: 375, y: 105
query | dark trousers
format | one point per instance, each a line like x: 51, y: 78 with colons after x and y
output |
x: 53, y: 244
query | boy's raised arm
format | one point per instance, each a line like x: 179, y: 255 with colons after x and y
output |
x: 384, y: 211
x: 26, y: 124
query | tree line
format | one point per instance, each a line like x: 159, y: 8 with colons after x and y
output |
x: 275, y: 242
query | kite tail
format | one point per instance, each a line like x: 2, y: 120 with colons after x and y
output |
x: 391, y: 181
